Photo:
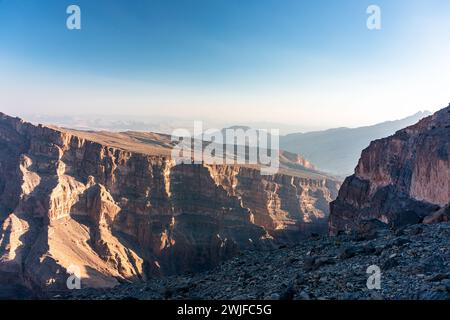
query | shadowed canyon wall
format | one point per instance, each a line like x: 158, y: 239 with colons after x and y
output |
x: 116, y: 215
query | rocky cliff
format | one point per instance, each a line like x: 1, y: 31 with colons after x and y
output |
x: 115, y: 208
x: 402, y: 179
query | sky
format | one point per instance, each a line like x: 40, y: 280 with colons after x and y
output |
x: 311, y: 64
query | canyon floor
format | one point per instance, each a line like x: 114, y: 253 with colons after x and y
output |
x: 414, y: 262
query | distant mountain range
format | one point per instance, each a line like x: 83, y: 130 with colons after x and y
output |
x: 337, y: 150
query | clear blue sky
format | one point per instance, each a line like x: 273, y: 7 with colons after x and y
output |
x: 264, y: 60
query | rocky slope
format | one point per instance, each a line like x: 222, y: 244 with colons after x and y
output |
x: 414, y: 262
x: 115, y: 207
x: 399, y: 180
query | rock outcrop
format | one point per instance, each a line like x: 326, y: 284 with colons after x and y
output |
x: 113, y: 207
x: 399, y: 180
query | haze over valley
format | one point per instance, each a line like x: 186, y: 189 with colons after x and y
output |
x: 224, y: 150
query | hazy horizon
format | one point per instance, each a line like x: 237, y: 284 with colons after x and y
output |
x: 168, y: 124
x: 311, y: 65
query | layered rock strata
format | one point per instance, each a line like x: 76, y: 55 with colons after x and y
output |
x: 122, y: 211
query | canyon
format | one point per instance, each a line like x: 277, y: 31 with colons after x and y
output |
x: 117, y: 208
x: 392, y: 215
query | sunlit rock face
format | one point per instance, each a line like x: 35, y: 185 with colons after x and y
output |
x: 117, y: 208
x: 399, y: 180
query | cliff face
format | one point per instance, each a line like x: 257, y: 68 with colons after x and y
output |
x: 399, y: 180
x: 69, y: 202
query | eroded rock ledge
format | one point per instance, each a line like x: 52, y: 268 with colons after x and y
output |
x: 122, y: 215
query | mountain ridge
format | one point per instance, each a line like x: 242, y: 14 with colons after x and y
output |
x: 343, y: 144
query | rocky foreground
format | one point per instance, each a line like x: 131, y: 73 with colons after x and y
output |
x: 414, y: 261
